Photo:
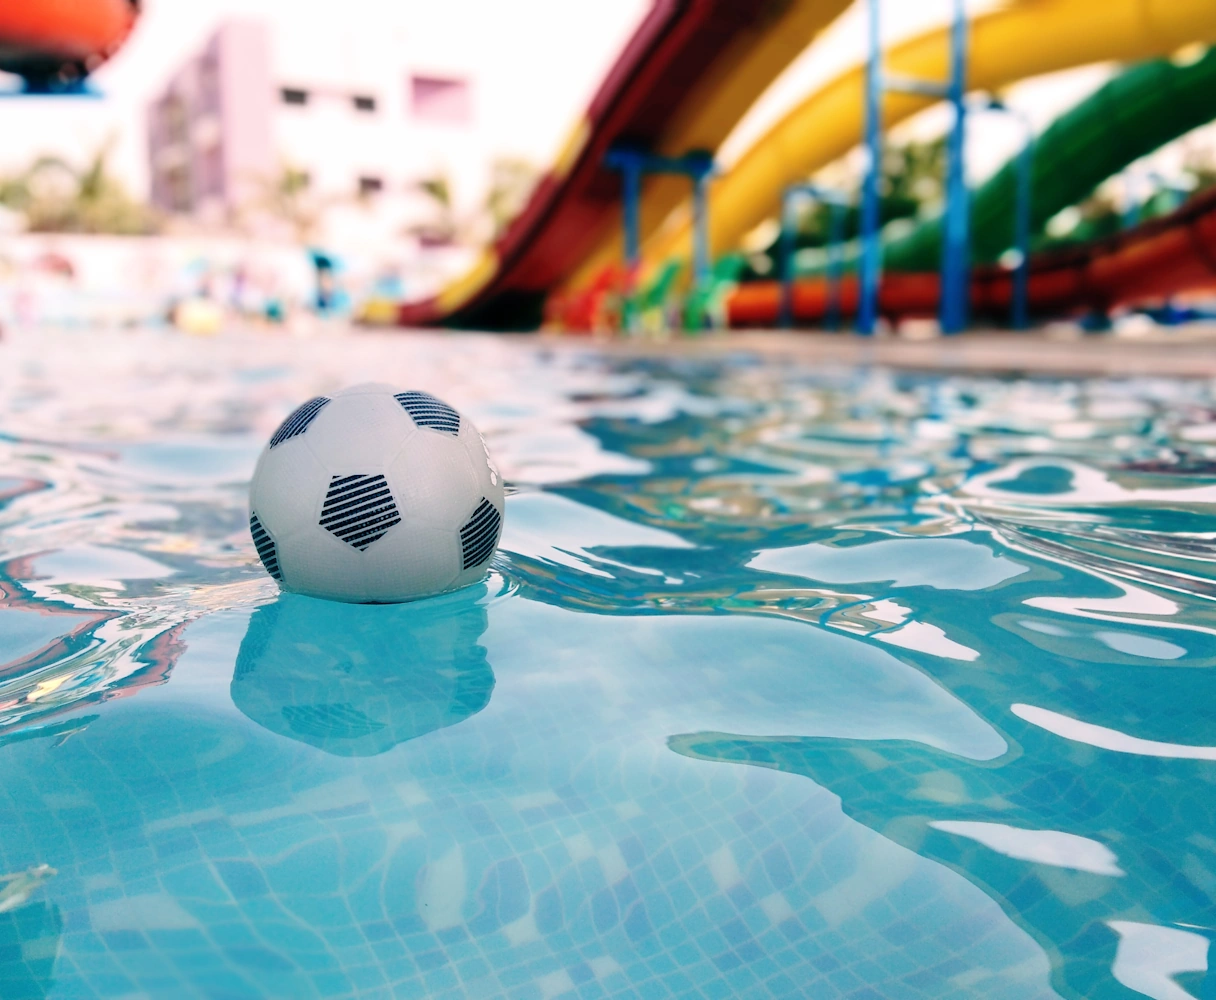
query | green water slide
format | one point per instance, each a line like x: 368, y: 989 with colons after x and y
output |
x: 1135, y: 113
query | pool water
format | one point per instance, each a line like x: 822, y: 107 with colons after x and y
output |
x: 786, y: 682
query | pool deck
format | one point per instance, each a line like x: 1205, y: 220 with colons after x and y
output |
x: 1185, y: 352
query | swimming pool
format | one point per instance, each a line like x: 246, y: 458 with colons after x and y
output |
x: 786, y: 682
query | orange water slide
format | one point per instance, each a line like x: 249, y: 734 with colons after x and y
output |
x: 42, y: 40
x: 1144, y: 265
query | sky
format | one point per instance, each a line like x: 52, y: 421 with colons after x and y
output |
x: 537, y: 64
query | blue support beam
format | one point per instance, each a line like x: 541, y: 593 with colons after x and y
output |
x: 786, y: 248
x: 633, y: 165
x: 957, y: 244
x: 956, y: 249
x: 1020, y: 307
x: 73, y: 88
x: 631, y: 183
x: 871, y: 221
x: 836, y: 217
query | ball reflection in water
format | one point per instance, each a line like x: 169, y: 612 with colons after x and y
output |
x: 355, y: 680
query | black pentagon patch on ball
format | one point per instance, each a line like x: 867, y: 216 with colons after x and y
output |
x: 427, y: 411
x: 359, y: 509
x: 266, y: 547
x: 479, y: 536
x: 298, y: 421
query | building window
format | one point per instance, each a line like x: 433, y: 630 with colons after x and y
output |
x: 293, y: 95
x: 363, y: 102
x: 441, y: 99
x: 369, y: 185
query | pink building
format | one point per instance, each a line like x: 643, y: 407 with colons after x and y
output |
x: 210, y: 136
x: 357, y: 121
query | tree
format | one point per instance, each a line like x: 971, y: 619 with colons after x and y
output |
x: 442, y: 228
x: 56, y: 196
x: 288, y: 197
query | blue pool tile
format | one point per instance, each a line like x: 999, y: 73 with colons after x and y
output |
x: 243, y: 878
x: 124, y: 940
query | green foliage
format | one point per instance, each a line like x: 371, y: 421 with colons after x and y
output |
x: 438, y: 188
x: 288, y: 196
x: 57, y: 197
x: 442, y: 228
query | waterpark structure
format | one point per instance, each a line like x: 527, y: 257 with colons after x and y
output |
x: 635, y: 208
x: 53, y: 45
x: 611, y: 215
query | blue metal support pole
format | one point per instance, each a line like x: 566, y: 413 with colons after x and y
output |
x: 956, y: 250
x: 871, y: 222
x: 1019, y: 302
x: 831, y: 319
x: 1020, y: 306
x: 631, y: 195
x: 786, y: 250
x: 633, y: 165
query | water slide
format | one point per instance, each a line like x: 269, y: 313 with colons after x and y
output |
x: 690, y: 72
x: 59, y: 41
x: 1022, y: 39
x: 1133, y: 114
x: 1130, y: 116
x: 1145, y: 265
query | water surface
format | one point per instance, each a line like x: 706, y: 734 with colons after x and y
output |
x: 786, y: 683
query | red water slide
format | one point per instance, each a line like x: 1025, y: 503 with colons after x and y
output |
x: 1144, y: 265
x: 47, y: 40
x: 680, y: 59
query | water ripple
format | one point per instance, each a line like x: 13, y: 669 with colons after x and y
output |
x: 819, y: 648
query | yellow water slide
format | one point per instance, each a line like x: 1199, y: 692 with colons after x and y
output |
x: 748, y: 65
x: 690, y: 71
x: 1021, y: 40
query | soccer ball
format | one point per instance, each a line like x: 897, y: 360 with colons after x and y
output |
x: 375, y: 496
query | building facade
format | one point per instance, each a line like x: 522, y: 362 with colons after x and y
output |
x: 321, y: 137
x: 210, y: 131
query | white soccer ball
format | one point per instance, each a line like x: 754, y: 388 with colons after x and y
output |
x: 375, y: 496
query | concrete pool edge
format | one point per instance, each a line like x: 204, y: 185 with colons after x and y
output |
x: 1189, y: 353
